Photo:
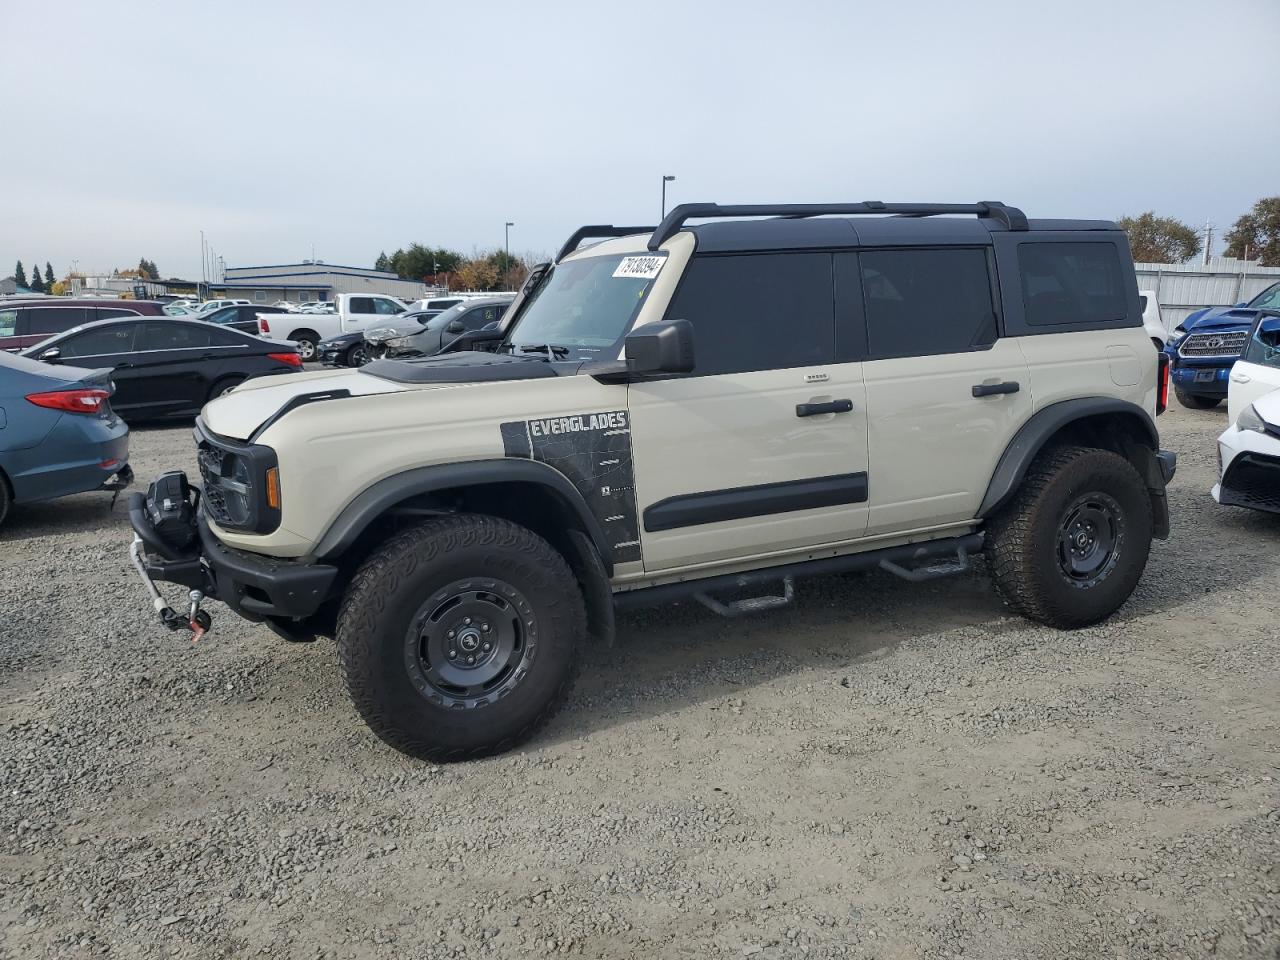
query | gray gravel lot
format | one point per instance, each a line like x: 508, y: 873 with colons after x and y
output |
x: 883, y: 770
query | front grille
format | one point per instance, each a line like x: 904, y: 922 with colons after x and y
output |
x: 1213, y: 344
x: 210, y: 460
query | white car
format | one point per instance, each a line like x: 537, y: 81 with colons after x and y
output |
x: 211, y: 305
x: 1249, y: 449
x: 1152, y: 321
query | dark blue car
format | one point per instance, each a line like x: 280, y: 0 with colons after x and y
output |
x: 58, y: 434
x: 1208, y: 343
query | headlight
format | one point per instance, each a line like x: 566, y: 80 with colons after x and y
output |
x: 1249, y: 420
x: 379, y: 333
x: 399, y: 342
x: 241, y: 484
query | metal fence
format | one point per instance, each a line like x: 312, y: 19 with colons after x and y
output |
x: 1182, y: 288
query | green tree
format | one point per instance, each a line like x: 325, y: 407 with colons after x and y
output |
x: 147, y: 269
x: 49, y: 278
x: 383, y: 262
x: 1257, y: 233
x: 20, y: 275
x: 1159, y: 239
x: 37, y: 283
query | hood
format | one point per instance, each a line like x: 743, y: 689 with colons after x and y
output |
x: 1220, y: 318
x: 246, y: 408
x: 392, y: 330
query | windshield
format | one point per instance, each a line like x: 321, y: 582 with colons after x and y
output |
x: 1268, y: 299
x: 586, y: 305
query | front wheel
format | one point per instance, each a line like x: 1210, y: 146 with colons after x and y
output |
x: 459, y: 637
x: 1194, y: 401
x: 357, y: 356
x: 1072, y: 545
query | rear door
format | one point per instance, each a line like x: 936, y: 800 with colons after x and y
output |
x: 762, y: 449
x: 945, y: 392
x: 1257, y: 372
x: 175, y: 364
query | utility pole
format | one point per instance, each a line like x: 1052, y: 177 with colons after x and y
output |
x: 506, y: 245
x: 1208, y: 239
x: 204, y: 264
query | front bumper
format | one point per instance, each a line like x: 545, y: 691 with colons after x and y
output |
x: 1250, y: 470
x: 257, y: 587
x: 1205, y: 381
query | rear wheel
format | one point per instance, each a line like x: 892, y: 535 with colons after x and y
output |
x: 459, y: 638
x: 307, y: 344
x: 224, y: 386
x: 1194, y: 401
x: 1071, y: 547
x: 6, y: 498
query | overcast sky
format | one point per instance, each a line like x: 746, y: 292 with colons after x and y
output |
x: 360, y: 127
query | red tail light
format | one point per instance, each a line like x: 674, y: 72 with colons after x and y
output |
x: 263, y: 325
x: 72, y: 401
x: 1162, y: 384
x: 292, y: 359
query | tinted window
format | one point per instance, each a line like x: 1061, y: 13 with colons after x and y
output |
x: 475, y: 319
x: 387, y: 307
x: 8, y: 322
x: 1071, y: 283
x: 56, y: 319
x: 225, y: 338
x: 924, y: 302
x: 109, y: 313
x: 757, y: 311
x: 173, y: 336
x: 225, y: 315
x: 117, y: 338
x: 361, y: 304
x: 1142, y: 302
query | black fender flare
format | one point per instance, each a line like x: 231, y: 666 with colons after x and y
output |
x: 1035, y: 433
x: 375, y: 500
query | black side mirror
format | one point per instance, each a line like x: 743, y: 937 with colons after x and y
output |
x: 665, y: 347
x: 456, y: 326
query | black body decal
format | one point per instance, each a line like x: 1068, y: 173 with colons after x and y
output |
x: 594, y: 451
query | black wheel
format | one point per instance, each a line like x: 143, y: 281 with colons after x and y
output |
x: 224, y: 386
x: 357, y: 356
x: 307, y: 345
x: 1193, y: 401
x: 6, y: 498
x: 459, y: 638
x: 1072, y: 545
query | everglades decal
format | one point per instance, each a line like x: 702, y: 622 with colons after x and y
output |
x: 594, y: 451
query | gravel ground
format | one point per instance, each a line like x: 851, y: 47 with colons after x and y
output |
x: 880, y: 771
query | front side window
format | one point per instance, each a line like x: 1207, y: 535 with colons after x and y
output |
x: 1078, y: 283
x: 225, y: 315
x: 361, y: 304
x: 481, y: 317
x: 388, y: 308
x: 1264, y: 345
x: 586, y: 306
x: 762, y: 311
x: 925, y: 302
x: 1268, y: 299
x: 95, y: 343
x: 172, y: 336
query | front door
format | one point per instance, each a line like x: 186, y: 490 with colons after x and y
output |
x: 762, y: 449
x: 1257, y: 372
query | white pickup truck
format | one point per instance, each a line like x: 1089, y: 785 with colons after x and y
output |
x: 351, y: 312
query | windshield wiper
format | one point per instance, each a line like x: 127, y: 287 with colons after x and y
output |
x: 552, y: 350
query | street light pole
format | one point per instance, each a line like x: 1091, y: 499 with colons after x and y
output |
x: 506, y: 245
x: 666, y: 178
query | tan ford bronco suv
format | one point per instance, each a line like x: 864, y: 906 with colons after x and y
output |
x: 703, y: 411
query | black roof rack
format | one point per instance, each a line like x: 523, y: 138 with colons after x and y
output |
x: 1011, y: 217
x: 602, y: 230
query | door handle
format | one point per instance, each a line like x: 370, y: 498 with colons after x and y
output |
x: 124, y: 366
x: 991, y: 389
x: 831, y: 406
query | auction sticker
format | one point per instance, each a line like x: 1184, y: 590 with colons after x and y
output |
x: 639, y: 268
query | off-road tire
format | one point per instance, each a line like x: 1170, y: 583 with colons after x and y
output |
x: 1023, y: 541
x: 384, y: 604
x: 1193, y: 401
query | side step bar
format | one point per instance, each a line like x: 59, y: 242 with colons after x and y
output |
x: 913, y: 561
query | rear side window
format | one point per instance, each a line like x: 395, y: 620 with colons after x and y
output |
x: 924, y: 302
x: 104, y: 340
x: 56, y: 319
x: 8, y: 322
x: 225, y: 338
x: 757, y: 311
x: 110, y: 313
x: 362, y: 304
x: 173, y: 336
x: 1076, y: 283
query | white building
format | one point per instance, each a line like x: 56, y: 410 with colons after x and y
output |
x: 310, y: 280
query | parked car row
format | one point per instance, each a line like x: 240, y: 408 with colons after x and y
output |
x: 1206, y: 345
x: 414, y: 333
